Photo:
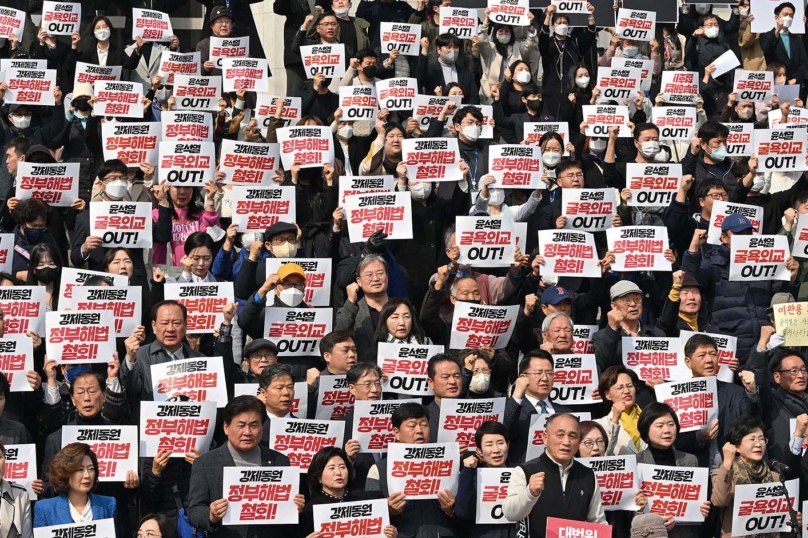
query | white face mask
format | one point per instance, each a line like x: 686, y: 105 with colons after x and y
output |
x: 342, y: 12
x: 711, y: 32
x: 561, y: 29
x: 744, y: 11
x: 597, y: 145
x: 21, y: 122
x: 549, y: 281
x: 480, y: 383
x: 291, y: 297
x: 662, y: 156
x: 523, y: 77
x: 504, y: 39
x: 346, y: 131
x: 745, y: 113
x: 421, y: 190
x: 582, y: 82
x: 496, y: 196
x: 761, y: 184
x: 630, y: 51
x: 786, y: 21
x: 550, y: 158
x: 649, y: 149
x: 101, y: 35
x: 116, y: 189
x: 162, y: 95
x: 472, y: 132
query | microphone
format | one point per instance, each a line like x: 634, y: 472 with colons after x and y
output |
x: 781, y: 468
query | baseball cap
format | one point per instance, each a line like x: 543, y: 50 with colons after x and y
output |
x: 260, y: 343
x: 219, y: 11
x: 736, y: 223
x: 554, y: 295
x: 40, y: 150
x: 288, y: 269
x: 624, y: 287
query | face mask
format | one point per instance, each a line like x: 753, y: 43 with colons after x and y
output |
x: 83, y: 105
x: 496, y: 196
x: 33, y: 235
x: 247, y: 239
x: 597, y: 145
x: 370, y: 71
x: 342, y: 12
x: 504, y: 39
x: 523, y: 77
x: 561, y: 29
x: 420, y: 191
x: 533, y: 105
x: 449, y: 57
x: 21, y: 122
x: 116, y: 189
x: 787, y: 21
x: 286, y: 250
x: 550, y: 158
x: 582, y: 82
x: 46, y: 275
x: 345, y: 131
x: 662, y: 157
x: 630, y: 51
x: 745, y: 113
x: 479, y: 383
x: 73, y: 373
x: 291, y: 297
x: 549, y: 281
x: 649, y: 149
x: 101, y: 35
x: 711, y: 32
x: 780, y: 81
x: 702, y: 9
x: 744, y: 11
x: 761, y: 184
x: 161, y: 95
x: 472, y: 132
x: 718, y: 154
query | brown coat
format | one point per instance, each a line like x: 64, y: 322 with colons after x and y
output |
x: 751, y: 53
x: 724, y: 496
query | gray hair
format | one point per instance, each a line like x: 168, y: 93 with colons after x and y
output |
x: 367, y: 260
x: 545, y: 325
x: 447, y: 235
x: 456, y: 282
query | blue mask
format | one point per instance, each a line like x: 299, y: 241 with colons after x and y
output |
x: 718, y: 154
x: 73, y: 373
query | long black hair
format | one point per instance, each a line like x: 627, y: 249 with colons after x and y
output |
x: 387, y: 310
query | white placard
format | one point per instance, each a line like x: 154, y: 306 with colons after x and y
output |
x: 421, y: 471
x: 132, y: 143
x: 757, y: 86
x: 122, y: 224
x: 763, y: 509
x: 17, y: 359
x: 478, y: 326
x: 251, y: 74
x: 204, y: 302
x: 300, y: 439
x: 639, y: 248
x: 405, y: 38
x: 431, y: 159
x: 260, y: 495
x: 178, y: 427
x: 617, y: 480
x: 674, y: 491
x: 460, y: 419
x: 297, y: 331
x: 759, y: 257
x: 516, y: 166
x: 461, y: 22
x: 636, y: 24
x: 588, y: 210
x: 655, y: 358
x: 187, y: 164
x: 485, y: 241
x: 372, y: 426
x: 781, y: 150
x: 30, y: 87
x: 197, y: 93
x: 492, y: 489
x: 179, y: 63
x: 116, y: 448
x: 358, y: 519
x: 599, y: 118
x: 89, y: 73
x: 200, y: 379
x: 60, y: 18
x: 123, y: 304
x: 101, y: 527
x: 569, y: 253
x: 675, y: 123
x: 722, y: 209
x: 324, y: 58
x: 151, y: 25
x: 695, y: 401
x: 228, y: 47
x: 257, y: 208
x: 79, y: 337
x: 310, y: 146
x: 119, y: 99
x: 390, y: 212
x: 509, y: 12
x: 405, y: 366
x: 739, y: 140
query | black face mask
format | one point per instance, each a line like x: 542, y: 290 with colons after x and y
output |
x: 534, y: 105
x: 370, y: 71
x: 83, y: 105
x: 46, y: 274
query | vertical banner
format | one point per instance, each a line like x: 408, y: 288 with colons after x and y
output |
x: 318, y: 277
x: 755, y: 86
x: 675, y: 123
x: 655, y: 358
x: 389, y: 212
x: 122, y: 224
x: 516, y: 166
x: 432, y: 159
x: 421, y: 471
x: 79, y: 337
x: 509, y: 12
x: 311, y: 146
x: 179, y: 427
x: 350, y: 185
x: 780, y: 150
x: 24, y: 309
x: 569, y: 253
x: 21, y: 467
x: 334, y: 400
x: 204, y: 302
x: 257, y: 208
x: 200, y: 379
x: 300, y: 439
x: 372, y: 426
x: 55, y: 184
x: 575, y: 379
x: 101, y: 528
x: 359, y: 519
x: 492, y: 489
x: 679, y: 87
x: 116, y: 448
x: 397, y: 93
x: 297, y: 331
x: 184, y: 126
x: 486, y: 241
x: 428, y: 107
x: 582, y: 342
x: 197, y: 93
x: 30, y: 87
x: 17, y: 359
x: 727, y: 346
x: 405, y: 366
x: 460, y: 419
x: 695, y: 401
x: 739, y: 140
x: 60, y: 18
x: 760, y: 257
x: 151, y: 25
x: 89, y: 73
x: 722, y: 209
x: 260, y: 495
x: 358, y: 103
x: 763, y: 508
x: 131, y: 143
x: 123, y: 304
x: 675, y: 491
x: 251, y: 74
x: 249, y: 162
x: 636, y: 24
x: 326, y: 59
x: 588, y: 210
x: 179, y: 63
x: 405, y: 38
x: 461, y: 22
x: 565, y: 528
x: 266, y: 107
x: 476, y: 326
x: 617, y: 480
x: 639, y: 248
x: 652, y: 185
x: 228, y: 47
x: 187, y: 164
x: 120, y: 99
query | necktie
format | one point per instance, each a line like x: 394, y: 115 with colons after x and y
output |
x: 542, y: 408
x: 172, y: 357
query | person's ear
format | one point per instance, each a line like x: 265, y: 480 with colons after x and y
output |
x: 688, y: 362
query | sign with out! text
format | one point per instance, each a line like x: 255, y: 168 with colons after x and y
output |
x: 297, y: 331
x: 122, y: 224
x: 764, y: 508
x: 406, y: 367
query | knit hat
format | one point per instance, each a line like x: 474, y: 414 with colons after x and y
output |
x: 648, y: 526
x: 779, y: 298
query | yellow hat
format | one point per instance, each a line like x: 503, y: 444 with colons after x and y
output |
x: 289, y: 269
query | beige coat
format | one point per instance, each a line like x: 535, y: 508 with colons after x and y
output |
x: 751, y: 53
x: 724, y: 496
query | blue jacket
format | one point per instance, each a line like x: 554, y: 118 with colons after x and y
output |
x: 55, y: 511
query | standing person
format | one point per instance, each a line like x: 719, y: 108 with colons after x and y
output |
x: 182, y: 204
x: 619, y: 386
x: 362, y: 316
x: 365, y: 384
x: 295, y: 12
x: 780, y: 47
x: 14, y: 500
x: 243, y: 22
x: 446, y: 381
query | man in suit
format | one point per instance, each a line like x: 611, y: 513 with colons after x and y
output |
x: 339, y: 353
x: 446, y: 381
x: 206, y: 503
x: 445, y: 70
x: 531, y: 395
x: 276, y: 388
x: 779, y: 46
x: 365, y: 383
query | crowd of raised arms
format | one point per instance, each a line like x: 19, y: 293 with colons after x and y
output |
x: 609, y: 361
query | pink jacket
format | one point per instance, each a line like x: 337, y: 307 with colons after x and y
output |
x: 181, y: 229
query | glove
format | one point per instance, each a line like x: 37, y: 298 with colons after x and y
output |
x: 377, y: 243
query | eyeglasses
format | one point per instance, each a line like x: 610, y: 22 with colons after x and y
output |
x: 279, y: 240
x: 579, y: 175
x: 115, y: 178
x: 794, y: 371
x: 262, y: 357
x: 756, y: 440
x: 718, y: 196
x: 222, y: 22
x: 370, y: 385
x: 378, y: 274
x: 300, y: 285
x: 541, y: 373
x: 630, y: 300
x: 589, y: 443
x: 620, y: 388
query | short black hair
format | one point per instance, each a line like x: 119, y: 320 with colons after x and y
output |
x: 88, y: 373
x: 707, y: 185
x: 317, y: 466
x: 361, y: 54
x: 199, y: 240
x: 640, y: 127
x: 445, y: 40
x: 780, y: 8
x: 743, y: 426
x: 650, y: 414
x: 168, y: 302
x: 698, y: 340
x: 243, y: 404
x: 707, y: 16
x: 491, y: 427
x: 5, y: 388
x: 333, y: 338
x: 20, y: 145
x: 712, y: 129
x: 30, y: 210
x: 462, y: 112
x: 780, y: 354
x: 524, y: 364
x: 406, y: 411
x: 273, y: 371
x: 799, y: 199
x: 434, y: 360
x: 567, y: 164
x: 610, y: 375
x: 360, y: 370
x: 110, y: 166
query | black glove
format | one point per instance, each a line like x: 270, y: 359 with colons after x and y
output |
x: 377, y: 243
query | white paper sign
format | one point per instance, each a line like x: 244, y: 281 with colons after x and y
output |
x: 184, y: 126
x: 781, y: 150
x: 461, y: 22
x: 763, y: 509
x: 358, y: 519
x: 132, y: 143
x: 16, y: 359
x: 187, y: 164
x: 421, y: 471
x: 30, y: 87
x: 228, y: 47
x: 588, y: 210
x: 492, y: 489
x: 12, y: 22
x: 197, y: 93
x: 123, y: 304
x: 655, y: 358
x: 722, y: 209
x: 151, y: 25
x: 119, y: 99
x: 21, y: 467
x: 646, y: 67
x: 60, y: 18
x: 575, y: 379
x: 397, y: 93
x: 300, y: 439
x: 569, y: 253
x: 695, y: 401
x: 310, y: 146
x: 679, y: 87
x: 89, y: 73
x: 477, y: 326
x: 652, y: 185
x: 636, y: 24
x: 54, y: 184
x: 201, y: 379
x: 755, y: 86
x: 251, y: 74
x: 516, y: 166
x: 372, y: 426
x: 266, y: 108
x: 122, y: 224
x: 257, y: 208
x: 618, y: 83
x: 179, y: 427
x: 406, y: 367
x: 599, y: 118
x: 101, y: 527
x: 390, y: 212
x: 297, y: 331
x: 674, y: 491
x: 431, y: 159
x: 485, y: 241
x: 72, y: 277
x: 617, y: 480
x: 324, y: 58
x: 334, y: 400
x: 79, y: 337
x: 179, y: 63
x: 739, y: 140
x: 260, y: 495
x: 404, y: 38
x: 726, y: 62
x: 23, y: 308
x: 116, y: 448
x: 675, y: 123
x: 460, y: 419
x: 639, y: 248
x: 759, y: 257
x: 509, y: 12
x: 351, y: 185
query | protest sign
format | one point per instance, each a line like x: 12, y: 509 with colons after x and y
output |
x: 679, y: 87
x: 17, y: 63
x: 406, y: 367
x: 787, y: 92
x: 389, y: 212
x: 727, y: 346
x: 765, y: 21
x: 725, y: 63
x: 311, y: 146
x: 257, y: 208
x: 55, y: 184
x: 17, y: 359
x: 251, y: 74
x: 351, y: 185
x: 674, y: 491
x: 72, y: 277
x: 182, y: 126
x: 760, y: 257
x: 300, y: 403
x: 249, y: 162
x: 739, y: 140
x: 764, y: 508
x: 131, y: 143
x: 200, y: 379
x: 359, y: 519
x: 797, y: 118
x: 485, y: 241
x: 599, y: 118
x: 791, y: 320
x: 300, y: 439
x: 197, y: 93
x: 323, y: 58
x: 358, y: 103
x: 492, y: 489
x: 535, y: 130
x: 187, y: 164
x: 123, y: 304
x: 260, y: 495
x: 102, y: 528
x: 536, y: 432
x: 780, y: 150
x: 428, y: 107
x: 267, y: 106
x: 618, y: 83
x: 516, y: 166
x: 297, y: 331
x: 652, y: 185
x: 21, y: 467
x: 179, y: 63
x: 318, y: 277
x: 461, y: 22
x: 179, y: 427
x: 636, y: 24
x: 575, y: 379
x: 121, y: 99
x: 204, y: 302
x: 151, y: 25
x: 568, y: 253
x: 755, y: 86
x: 79, y: 337
x: 582, y: 342
x: 122, y: 224
x: 476, y: 326
x: 588, y: 210
x: 655, y: 358
x: 372, y: 426
x: 639, y: 248
x: 509, y: 12
x: 89, y: 73
x: 432, y: 159
x: 12, y: 23
x: 60, y: 18
x: 116, y: 448
x: 7, y: 249
x: 460, y: 419
x: 675, y: 123
x: 228, y: 47
x: 617, y: 480
x: 421, y: 471
x: 405, y: 38
x: 567, y: 528
x: 570, y: 6
x: 695, y: 401
x: 397, y: 93
x: 23, y: 309
x: 30, y: 87
x: 334, y: 400
x: 722, y: 209
x: 646, y: 67
x: 800, y: 247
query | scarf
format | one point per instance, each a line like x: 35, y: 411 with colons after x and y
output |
x: 628, y: 420
x: 759, y: 473
x: 411, y: 339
